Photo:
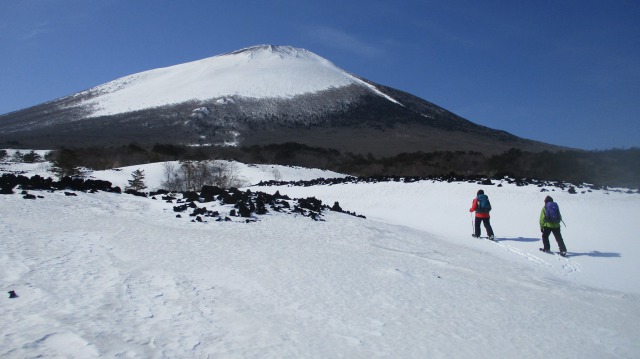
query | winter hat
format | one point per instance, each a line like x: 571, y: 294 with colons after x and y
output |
x: 480, y: 192
x: 548, y: 199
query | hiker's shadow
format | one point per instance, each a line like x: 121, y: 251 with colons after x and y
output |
x: 571, y: 254
x: 519, y: 239
x: 595, y: 254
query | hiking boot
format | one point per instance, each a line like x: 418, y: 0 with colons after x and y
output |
x: 564, y: 254
x: 491, y: 237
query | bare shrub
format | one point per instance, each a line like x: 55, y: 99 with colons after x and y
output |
x: 193, y: 175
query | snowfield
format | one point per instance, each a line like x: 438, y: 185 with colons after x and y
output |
x: 115, y: 275
x: 263, y: 71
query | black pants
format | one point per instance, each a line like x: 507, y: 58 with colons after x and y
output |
x: 487, y: 226
x: 556, y: 233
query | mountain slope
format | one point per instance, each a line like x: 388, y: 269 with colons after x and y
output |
x: 258, y: 95
x: 261, y: 72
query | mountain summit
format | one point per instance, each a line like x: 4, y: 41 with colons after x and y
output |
x: 254, y: 96
x: 259, y: 72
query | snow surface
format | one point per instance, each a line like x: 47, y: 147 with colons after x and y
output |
x: 257, y: 72
x: 114, y: 275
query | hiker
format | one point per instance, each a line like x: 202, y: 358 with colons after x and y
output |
x: 550, y: 219
x: 482, y: 206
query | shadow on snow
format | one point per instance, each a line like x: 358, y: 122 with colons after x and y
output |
x: 595, y: 254
x: 571, y: 254
x: 519, y: 239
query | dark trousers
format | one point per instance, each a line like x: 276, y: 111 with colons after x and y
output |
x: 558, y: 236
x: 487, y: 226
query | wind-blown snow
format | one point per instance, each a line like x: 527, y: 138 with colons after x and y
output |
x: 109, y: 275
x: 256, y: 72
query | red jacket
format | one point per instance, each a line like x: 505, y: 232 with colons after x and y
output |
x: 474, y: 206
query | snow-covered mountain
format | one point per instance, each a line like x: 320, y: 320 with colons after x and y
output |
x: 258, y: 95
x: 261, y: 72
x: 102, y: 275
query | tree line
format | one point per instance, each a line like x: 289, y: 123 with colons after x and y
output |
x: 606, y: 168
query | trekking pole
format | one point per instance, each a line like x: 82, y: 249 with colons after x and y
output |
x: 563, y: 223
x: 473, y: 229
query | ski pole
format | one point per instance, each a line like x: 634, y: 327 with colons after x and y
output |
x: 473, y: 229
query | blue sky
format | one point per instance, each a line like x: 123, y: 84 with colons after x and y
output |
x: 561, y: 72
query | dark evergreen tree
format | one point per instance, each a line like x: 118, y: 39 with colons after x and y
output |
x: 65, y: 163
x: 31, y: 157
x: 136, y: 182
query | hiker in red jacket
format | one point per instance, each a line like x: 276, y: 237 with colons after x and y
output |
x: 482, y: 206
